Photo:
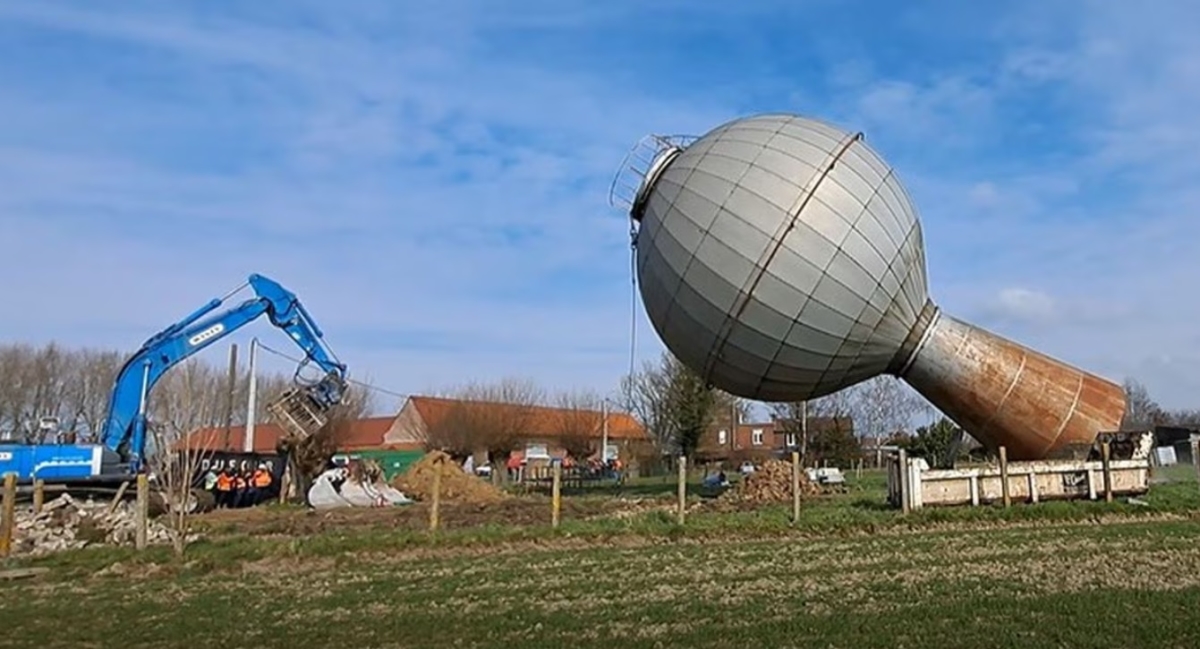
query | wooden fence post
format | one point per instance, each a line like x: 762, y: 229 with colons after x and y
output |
x: 905, y: 484
x: 556, y: 495
x: 436, y: 498
x: 682, y: 488
x: 143, y: 510
x: 8, y: 524
x: 285, y: 483
x: 795, y: 487
x: 1106, y: 463
x: 1196, y: 459
x: 1004, y: 477
x: 39, y: 495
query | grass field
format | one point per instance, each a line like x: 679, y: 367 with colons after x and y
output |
x: 850, y: 574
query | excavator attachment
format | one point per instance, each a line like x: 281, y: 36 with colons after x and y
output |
x: 303, y: 410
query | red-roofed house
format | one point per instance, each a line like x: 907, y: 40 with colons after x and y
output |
x: 545, y: 426
x: 408, y: 431
x: 364, y: 434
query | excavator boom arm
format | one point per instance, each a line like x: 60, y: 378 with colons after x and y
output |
x: 124, y: 429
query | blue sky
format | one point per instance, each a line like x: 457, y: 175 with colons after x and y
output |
x: 431, y: 177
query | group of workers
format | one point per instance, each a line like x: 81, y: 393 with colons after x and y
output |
x: 233, y: 489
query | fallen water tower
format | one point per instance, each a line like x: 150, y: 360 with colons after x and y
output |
x: 781, y: 258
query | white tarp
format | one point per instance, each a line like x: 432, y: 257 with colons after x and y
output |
x: 335, y: 489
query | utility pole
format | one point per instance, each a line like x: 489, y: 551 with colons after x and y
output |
x: 604, y: 431
x: 251, y: 402
x: 733, y: 424
x: 232, y: 387
x: 804, y: 431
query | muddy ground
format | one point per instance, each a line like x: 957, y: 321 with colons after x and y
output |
x: 515, y: 511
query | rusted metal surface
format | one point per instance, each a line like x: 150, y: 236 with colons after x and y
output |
x: 1006, y: 394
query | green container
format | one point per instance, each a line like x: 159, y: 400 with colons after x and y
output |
x: 393, y: 463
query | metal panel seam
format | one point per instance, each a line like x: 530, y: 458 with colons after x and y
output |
x: 764, y: 261
x: 1007, y: 393
x: 1071, y: 411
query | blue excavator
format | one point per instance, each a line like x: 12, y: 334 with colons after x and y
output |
x: 121, y: 451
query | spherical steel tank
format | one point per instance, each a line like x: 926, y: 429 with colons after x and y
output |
x: 782, y: 256
x: 781, y: 259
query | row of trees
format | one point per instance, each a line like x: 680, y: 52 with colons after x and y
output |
x: 74, y: 385
x: 1142, y: 412
x: 670, y: 400
x: 677, y: 408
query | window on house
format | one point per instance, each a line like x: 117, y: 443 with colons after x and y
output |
x: 537, y: 452
x: 756, y: 437
x: 722, y: 437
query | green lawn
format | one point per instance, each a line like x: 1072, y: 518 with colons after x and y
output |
x: 851, y: 574
x: 1121, y: 585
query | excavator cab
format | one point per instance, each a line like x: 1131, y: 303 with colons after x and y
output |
x: 303, y: 410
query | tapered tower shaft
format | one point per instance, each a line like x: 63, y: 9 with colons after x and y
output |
x: 1005, y: 394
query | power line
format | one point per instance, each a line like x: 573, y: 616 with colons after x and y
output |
x: 367, y: 386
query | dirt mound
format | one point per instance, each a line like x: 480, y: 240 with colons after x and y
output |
x: 457, y: 486
x: 771, y: 483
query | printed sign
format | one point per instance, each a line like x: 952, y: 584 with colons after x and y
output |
x: 207, y: 334
x: 242, y: 463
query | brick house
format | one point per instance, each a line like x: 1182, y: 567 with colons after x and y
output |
x: 545, y: 427
x: 757, y: 440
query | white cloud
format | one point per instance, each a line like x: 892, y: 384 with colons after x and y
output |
x: 421, y: 181
x: 1025, y: 305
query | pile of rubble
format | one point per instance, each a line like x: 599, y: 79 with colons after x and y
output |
x: 770, y: 483
x: 68, y: 524
x: 457, y: 485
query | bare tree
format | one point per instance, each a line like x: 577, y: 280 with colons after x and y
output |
x: 453, y: 434
x: 88, y: 389
x: 50, y: 381
x: 1141, y: 410
x: 47, y: 373
x: 580, y: 420
x: 817, y: 424
x: 837, y: 404
x: 793, y: 418
x: 493, y: 417
x: 884, y: 405
x: 676, y: 405
x: 16, y: 390
x: 649, y: 399
x: 75, y: 386
x: 506, y: 426
x: 1186, y: 418
x: 186, y: 399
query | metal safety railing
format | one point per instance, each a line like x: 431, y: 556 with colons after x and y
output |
x: 641, y: 166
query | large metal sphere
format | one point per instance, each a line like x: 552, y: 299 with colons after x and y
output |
x: 782, y: 256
